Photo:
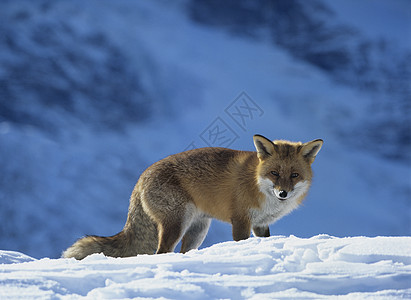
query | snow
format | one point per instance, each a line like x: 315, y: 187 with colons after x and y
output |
x: 278, y: 267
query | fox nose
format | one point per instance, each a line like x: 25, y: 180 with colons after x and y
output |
x: 283, y: 194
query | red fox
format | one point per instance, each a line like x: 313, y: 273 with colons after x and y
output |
x: 176, y: 197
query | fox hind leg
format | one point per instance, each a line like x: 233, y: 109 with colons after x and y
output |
x: 195, y: 234
x: 169, y: 235
x: 173, y: 226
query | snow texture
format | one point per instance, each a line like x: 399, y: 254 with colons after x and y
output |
x: 321, y: 267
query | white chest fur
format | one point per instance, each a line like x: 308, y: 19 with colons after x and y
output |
x: 273, y: 208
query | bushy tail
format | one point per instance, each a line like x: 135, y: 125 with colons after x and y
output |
x: 110, y: 246
x: 139, y: 236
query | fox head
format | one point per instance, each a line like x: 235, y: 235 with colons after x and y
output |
x: 284, y: 169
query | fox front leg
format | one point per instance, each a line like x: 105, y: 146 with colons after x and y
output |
x: 261, y: 231
x: 241, y: 228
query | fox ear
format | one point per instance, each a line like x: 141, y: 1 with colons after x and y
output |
x: 310, y: 149
x: 264, y: 146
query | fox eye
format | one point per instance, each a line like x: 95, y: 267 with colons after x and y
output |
x: 294, y: 175
x: 275, y: 173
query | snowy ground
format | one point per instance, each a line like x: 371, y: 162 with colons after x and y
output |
x: 321, y: 267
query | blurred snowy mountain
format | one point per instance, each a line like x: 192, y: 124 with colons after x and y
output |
x: 92, y: 93
x: 54, y: 65
x: 309, y: 32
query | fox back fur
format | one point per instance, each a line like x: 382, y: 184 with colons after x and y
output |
x: 176, y: 197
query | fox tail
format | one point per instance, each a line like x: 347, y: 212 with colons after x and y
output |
x: 139, y: 236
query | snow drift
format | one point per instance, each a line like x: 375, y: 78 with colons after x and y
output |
x: 321, y: 267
